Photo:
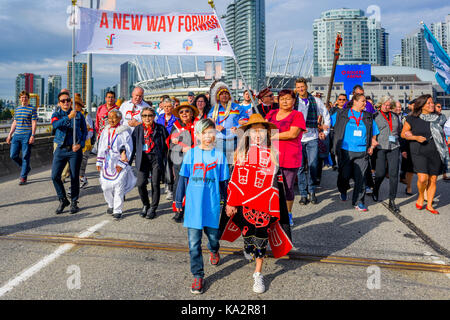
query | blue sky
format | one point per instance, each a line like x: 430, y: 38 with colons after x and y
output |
x: 34, y: 37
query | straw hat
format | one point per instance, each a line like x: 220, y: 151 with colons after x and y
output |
x: 256, y: 118
x: 79, y: 101
x: 175, y: 111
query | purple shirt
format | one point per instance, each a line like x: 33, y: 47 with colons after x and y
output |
x: 369, y: 107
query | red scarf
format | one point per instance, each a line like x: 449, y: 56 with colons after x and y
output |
x: 188, y: 127
x: 148, y: 132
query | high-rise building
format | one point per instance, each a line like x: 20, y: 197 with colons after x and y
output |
x: 39, y: 87
x: 414, y: 51
x: 34, y: 100
x: 441, y: 31
x: 245, y: 28
x: 80, y: 78
x: 364, y: 41
x: 31, y: 83
x: 128, y: 77
x: 54, y: 84
x: 116, y: 90
x: 24, y: 81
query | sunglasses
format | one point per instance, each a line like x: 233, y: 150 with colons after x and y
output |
x: 184, y: 111
x: 147, y: 115
x: 65, y: 100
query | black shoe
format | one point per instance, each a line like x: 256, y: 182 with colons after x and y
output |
x: 303, y: 201
x: 313, y: 198
x: 110, y: 211
x: 393, y: 207
x: 143, y: 213
x: 74, y: 207
x: 408, y: 193
x: 22, y: 181
x: 117, y: 216
x: 178, y: 217
x: 62, y: 204
x: 375, y: 196
x: 151, y: 214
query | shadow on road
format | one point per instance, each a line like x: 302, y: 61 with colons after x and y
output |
x: 56, y: 219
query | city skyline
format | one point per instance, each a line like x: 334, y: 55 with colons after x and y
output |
x: 49, y: 52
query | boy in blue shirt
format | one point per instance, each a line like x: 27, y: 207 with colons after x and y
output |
x: 206, y: 170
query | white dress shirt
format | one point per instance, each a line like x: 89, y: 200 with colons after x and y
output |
x: 131, y: 111
x: 313, y: 133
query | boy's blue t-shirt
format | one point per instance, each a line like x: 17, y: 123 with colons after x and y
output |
x: 204, y: 169
x: 355, y: 142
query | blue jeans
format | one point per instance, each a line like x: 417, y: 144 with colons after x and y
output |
x: 19, y: 143
x: 307, y: 173
x: 61, y: 156
x: 195, y: 248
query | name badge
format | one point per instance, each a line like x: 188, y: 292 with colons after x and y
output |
x: 357, y: 133
x: 392, y: 139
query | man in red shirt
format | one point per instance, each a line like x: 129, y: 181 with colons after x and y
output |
x: 102, y: 112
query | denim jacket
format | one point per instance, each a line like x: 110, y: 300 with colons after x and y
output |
x: 62, y: 124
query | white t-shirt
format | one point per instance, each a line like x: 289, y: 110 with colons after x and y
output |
x: 131, y: 111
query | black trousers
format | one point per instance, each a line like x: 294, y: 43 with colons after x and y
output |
x: 176, y: 173
x: 392, y: 159
x: 61, y: 157
x: 352, y: 165
x: 149, y: 165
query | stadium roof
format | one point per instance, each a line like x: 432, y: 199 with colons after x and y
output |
x: 422, y: 74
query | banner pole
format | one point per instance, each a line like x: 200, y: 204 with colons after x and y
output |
x: 211, y: 3
x: 74, y: 3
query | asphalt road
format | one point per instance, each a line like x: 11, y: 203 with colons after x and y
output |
x: 45, y: 270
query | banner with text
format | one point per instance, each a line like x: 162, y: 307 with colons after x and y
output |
x: 109, y: 32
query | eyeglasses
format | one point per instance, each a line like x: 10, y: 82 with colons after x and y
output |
x: 147, y: 115
x: 65, y: 100
x: 269, y: 96
x: 342, y: 99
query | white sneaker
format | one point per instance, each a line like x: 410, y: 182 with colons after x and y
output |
x: 258, y: 286
x: 248, y: 256
x: 83, y: 183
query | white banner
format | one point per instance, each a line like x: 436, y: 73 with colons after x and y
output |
x: 109, y: 32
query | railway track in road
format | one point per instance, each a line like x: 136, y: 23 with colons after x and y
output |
x: 121, y: 243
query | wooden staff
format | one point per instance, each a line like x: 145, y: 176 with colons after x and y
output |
x: 337, y: 46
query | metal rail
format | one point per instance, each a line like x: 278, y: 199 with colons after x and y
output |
x: 120, y: 243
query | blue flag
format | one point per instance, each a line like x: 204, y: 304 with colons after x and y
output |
x: 439, y: 58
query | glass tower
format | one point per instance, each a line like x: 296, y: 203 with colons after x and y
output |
x: 245, y: 29
x: 80, y: 78
x: 364, y: 41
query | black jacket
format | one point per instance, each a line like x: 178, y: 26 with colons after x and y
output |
x: 341, y: 122
x: 159, y: 137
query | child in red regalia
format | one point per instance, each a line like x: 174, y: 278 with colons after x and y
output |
x: 255, y: 203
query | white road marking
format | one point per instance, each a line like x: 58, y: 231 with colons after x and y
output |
x: 28, y: 273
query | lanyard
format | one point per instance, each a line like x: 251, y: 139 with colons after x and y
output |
x: 388, y: 121
x: 356, y: 120
x: 109, y: 138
